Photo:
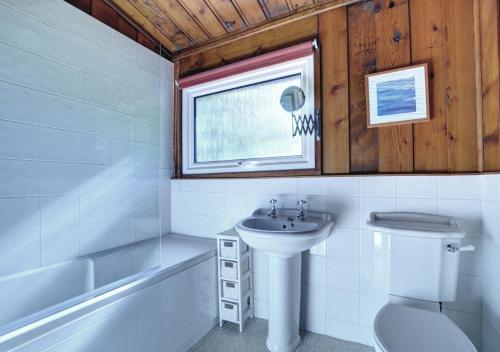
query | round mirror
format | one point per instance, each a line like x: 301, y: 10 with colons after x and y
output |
x: 292, y: 99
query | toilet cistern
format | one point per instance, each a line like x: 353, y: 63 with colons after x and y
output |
x: 283, y: 234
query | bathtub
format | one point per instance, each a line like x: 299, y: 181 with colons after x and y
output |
x: 117, y: 300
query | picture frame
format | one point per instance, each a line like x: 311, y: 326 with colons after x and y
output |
x: 399, y: 96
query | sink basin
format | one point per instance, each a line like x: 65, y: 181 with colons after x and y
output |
x: 285, y: 234
x: 283, y: 238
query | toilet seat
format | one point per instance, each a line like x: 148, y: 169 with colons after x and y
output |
x: 399, y: 328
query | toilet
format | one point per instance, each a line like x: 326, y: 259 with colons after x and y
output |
x: 416, y: 260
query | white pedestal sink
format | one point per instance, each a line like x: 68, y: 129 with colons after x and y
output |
x: 283, y: 238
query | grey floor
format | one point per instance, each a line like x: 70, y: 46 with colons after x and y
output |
x: 253, y: 339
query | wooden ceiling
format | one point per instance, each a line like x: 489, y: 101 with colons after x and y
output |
x: 183, y: 25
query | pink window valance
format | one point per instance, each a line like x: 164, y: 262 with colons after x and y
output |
x: 290, y: 53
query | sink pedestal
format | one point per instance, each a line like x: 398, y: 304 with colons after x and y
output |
x: 284, y: 302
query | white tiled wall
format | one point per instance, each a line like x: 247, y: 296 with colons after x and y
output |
x: 338, y: 298
x: 84, y: 112
x: 491, y: 262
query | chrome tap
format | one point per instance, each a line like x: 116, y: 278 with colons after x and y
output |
x: 272, y: 210
x: 300, y: 205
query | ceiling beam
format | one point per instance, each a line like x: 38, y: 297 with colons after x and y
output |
x: 307, y: 11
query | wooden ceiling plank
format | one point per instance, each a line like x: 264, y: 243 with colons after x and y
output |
x: 275, y: 8
x: 297, y: 4
x: 308, y: 11
x: 227, y: 14
x: 250, y: 11
x: 142, y: 21
x: 183, y: 20
x: 199, y: 10
x: 156, y: 15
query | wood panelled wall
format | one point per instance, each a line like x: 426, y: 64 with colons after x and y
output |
x: 459, y: 41
x: 103, y: 12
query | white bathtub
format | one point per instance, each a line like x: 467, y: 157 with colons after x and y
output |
x: 114, y: 300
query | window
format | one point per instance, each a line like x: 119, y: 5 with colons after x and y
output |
x: 236, y: 123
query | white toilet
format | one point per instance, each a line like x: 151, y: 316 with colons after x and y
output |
x: 416, y: 258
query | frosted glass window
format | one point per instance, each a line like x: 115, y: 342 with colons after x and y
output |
x: 245, y: 123
x: 237, y: 124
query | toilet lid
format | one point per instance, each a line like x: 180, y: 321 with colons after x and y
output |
x: 399, y: 328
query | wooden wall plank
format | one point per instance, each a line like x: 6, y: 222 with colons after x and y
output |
x: 126, y: 28
x: 489, y: 25
x: 258, y: 44
x: 335, y: 91
x: 427, y: 45
x: 362, y: 60
x: 146, y: 42
x: 392, y: 26
x: 104, y: 13
x: 461, y: 89
x: 84, y: 5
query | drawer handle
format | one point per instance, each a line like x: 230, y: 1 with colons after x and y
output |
x: 228, y: 306
x: 228, y: 244
x: 230, y: 284
x: 228, y: 265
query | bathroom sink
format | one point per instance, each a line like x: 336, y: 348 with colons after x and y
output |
x: 285, y: 233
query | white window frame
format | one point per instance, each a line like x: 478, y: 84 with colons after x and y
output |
x: 303, y: 66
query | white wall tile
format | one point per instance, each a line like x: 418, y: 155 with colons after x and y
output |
x: 470, y: 324
x: 19, y: 178
x: 345, y: 211
x: 468, y: 212
x: 314, y: 269
x: 52, y: 141
x: 491, y: 339
x: 378, y: 187
x: 20, y: 30
x: 459, y: 187
x: 19, y: 140
x: 342, y: 330
x: 420, y: 205
x: 59, y: 112
x: 18, y: 103
x: 343, y: 305
x: 59, y: 211
x: 19, y: 215
x: 19, y: 252
x: 343, y: 274
x: 93, y: 149
x: 343, y: 186
x: 60, y: 79
x: 95, y: 90
x: 369, y: 307
x: 19, y: 66
x: 313, y: 298
x: 344, y: 244
x: 311, y: 186
x: 68, y: 178
x: 417, y: 186
x: 59, y: 245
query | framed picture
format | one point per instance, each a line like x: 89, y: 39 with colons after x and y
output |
x: 398, y: 96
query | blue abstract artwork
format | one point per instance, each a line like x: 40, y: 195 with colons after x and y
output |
x: 396, y: 97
